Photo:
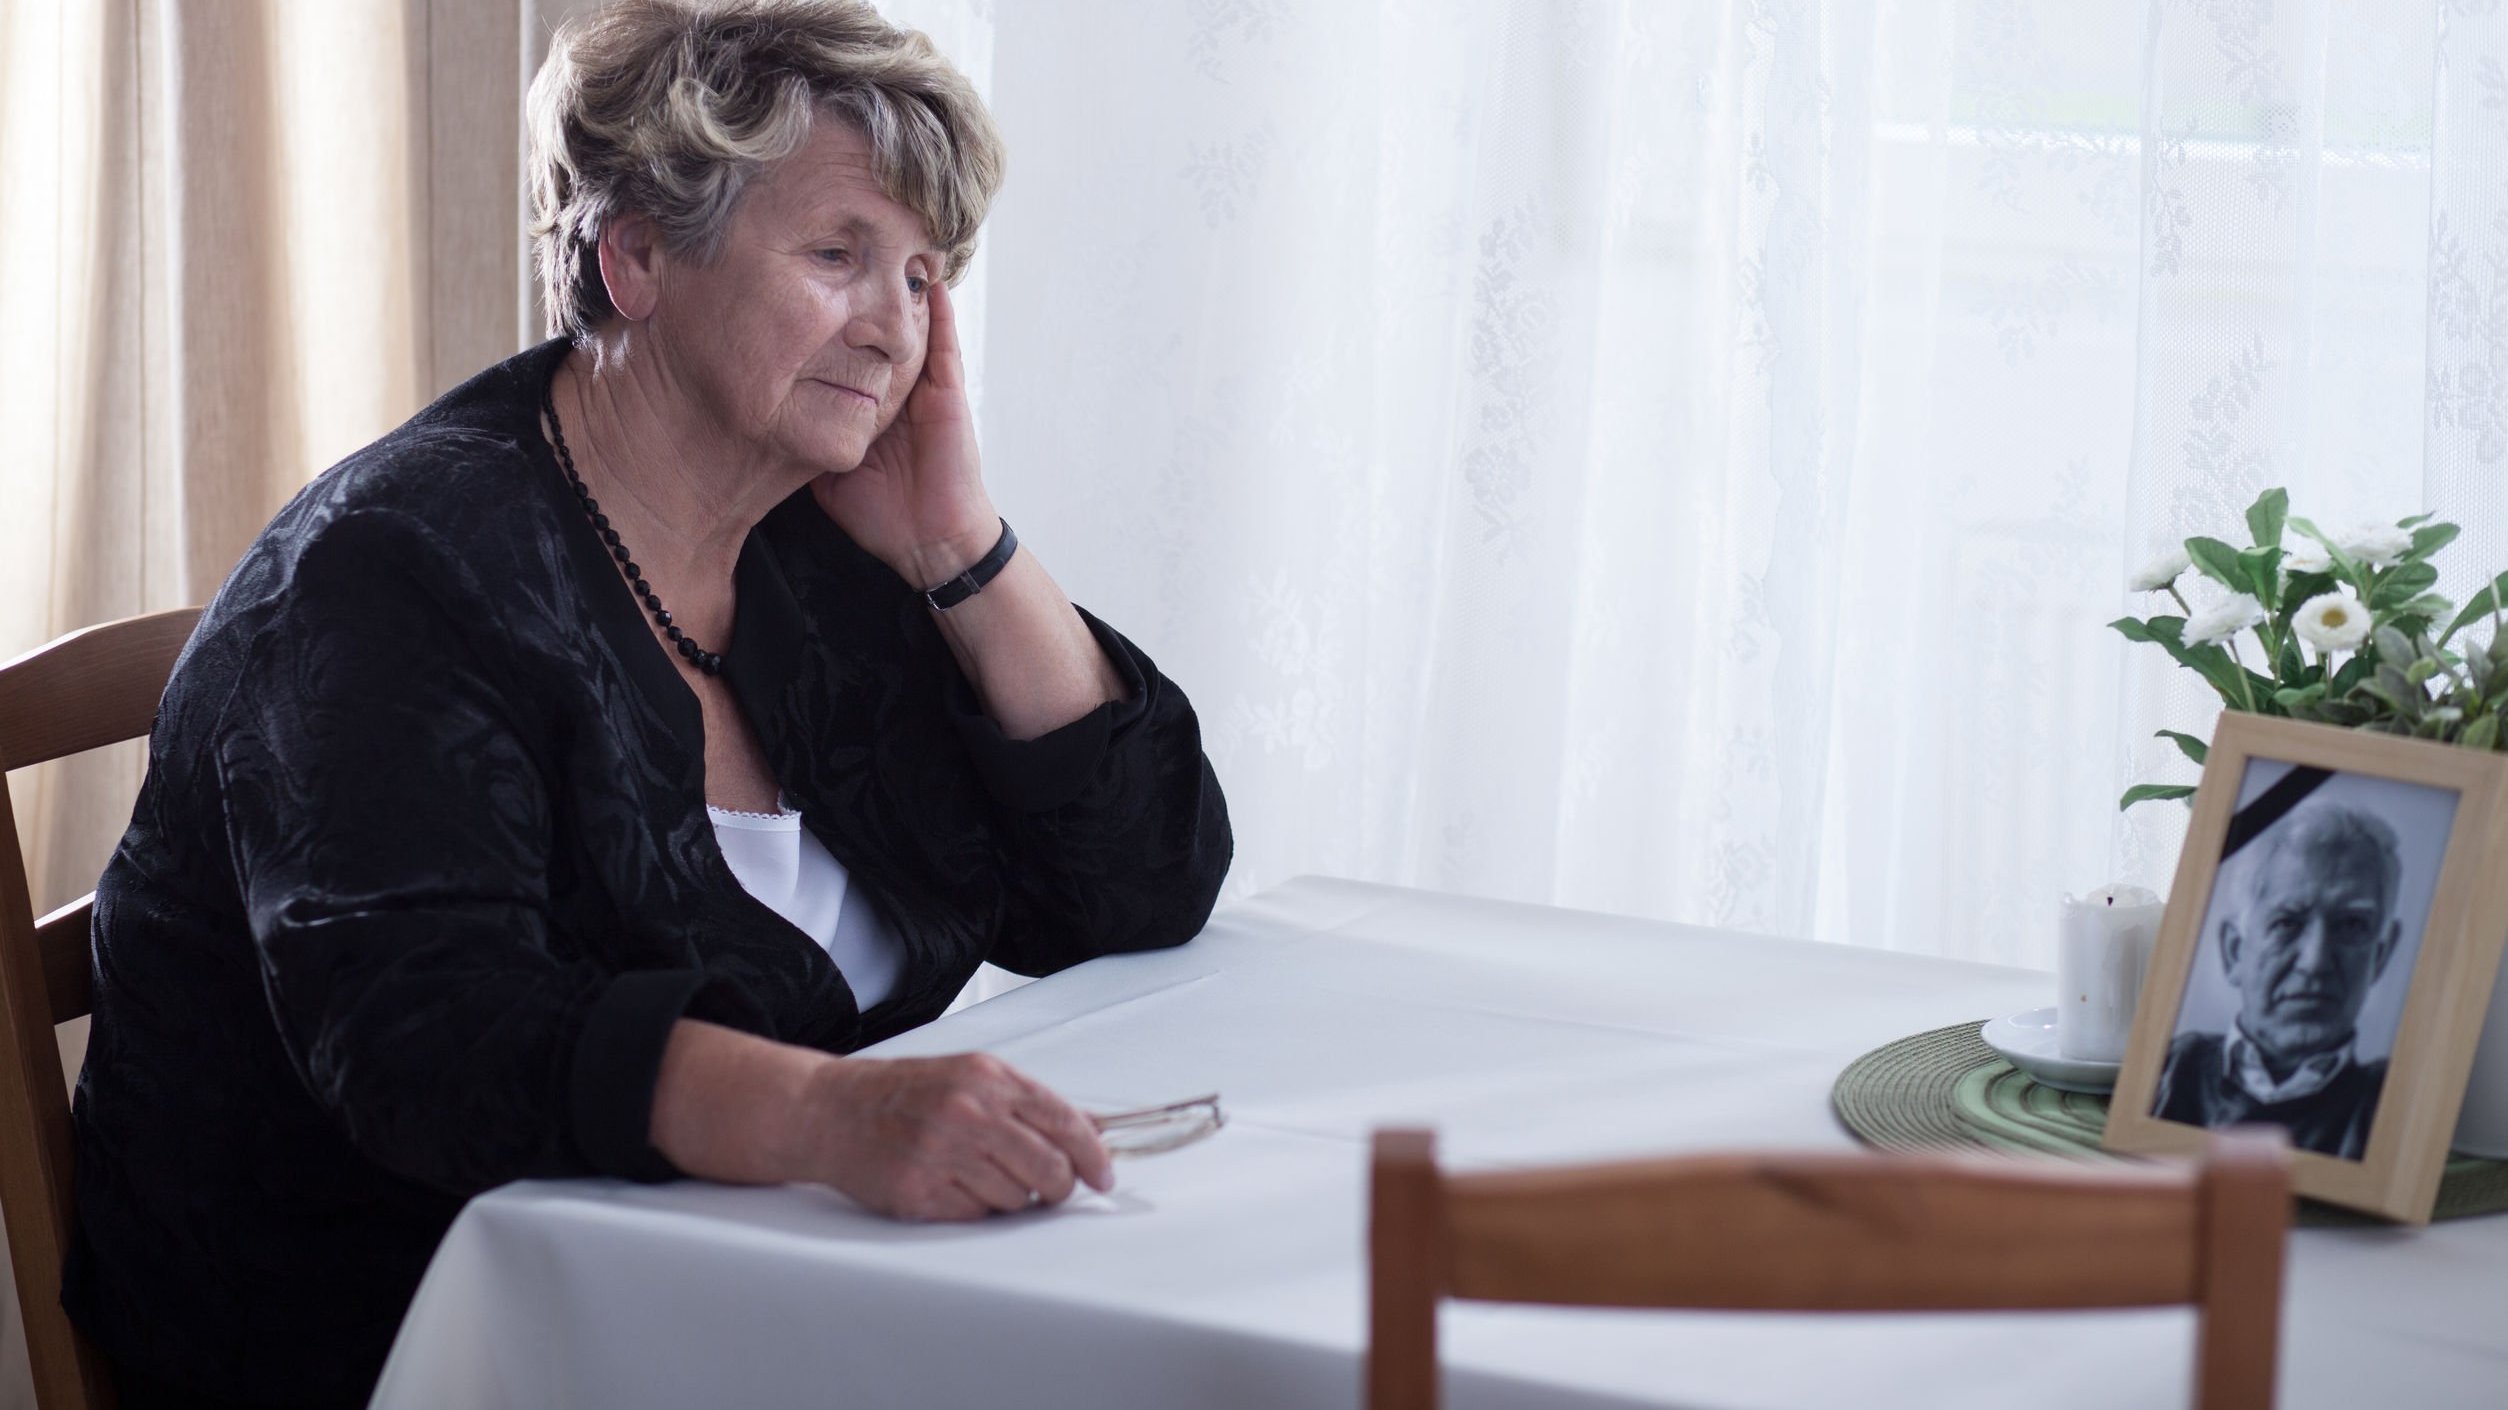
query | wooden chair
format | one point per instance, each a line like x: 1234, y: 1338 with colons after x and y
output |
x: 91, y: 688
x: 1820, y: 1232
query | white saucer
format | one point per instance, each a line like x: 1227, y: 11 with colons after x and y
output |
x: 2027, y: 1041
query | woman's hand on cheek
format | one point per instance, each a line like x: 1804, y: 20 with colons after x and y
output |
x: 945, y: 1138
x: 917, y: 501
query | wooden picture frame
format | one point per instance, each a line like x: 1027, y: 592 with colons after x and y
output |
x: 2277, y: 836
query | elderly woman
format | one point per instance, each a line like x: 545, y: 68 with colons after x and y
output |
x: 562, y: 783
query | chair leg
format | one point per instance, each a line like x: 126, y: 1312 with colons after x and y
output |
x: 2246, y: 1219
x: 1405, y: 1238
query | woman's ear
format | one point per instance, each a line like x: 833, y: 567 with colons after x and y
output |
x: 631, y: 266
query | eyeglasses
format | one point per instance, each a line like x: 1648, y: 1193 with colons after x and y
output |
x: 1155, y: 1130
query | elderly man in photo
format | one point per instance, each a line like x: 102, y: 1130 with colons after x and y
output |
x: 2312, y: 934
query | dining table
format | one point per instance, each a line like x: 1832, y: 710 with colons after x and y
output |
x: 1232, y: 1272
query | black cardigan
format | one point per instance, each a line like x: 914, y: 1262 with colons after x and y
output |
x: 421, y: 877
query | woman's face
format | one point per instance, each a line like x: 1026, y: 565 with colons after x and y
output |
x: 801, y: 339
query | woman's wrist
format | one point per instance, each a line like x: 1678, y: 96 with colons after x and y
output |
x: 816, y: 1114
x: 731, y: 1106
x: 928, y: 565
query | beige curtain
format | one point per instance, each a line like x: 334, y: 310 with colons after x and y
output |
x: 240, y: 239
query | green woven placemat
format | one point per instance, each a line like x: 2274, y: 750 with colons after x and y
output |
x: 1947, y: 1091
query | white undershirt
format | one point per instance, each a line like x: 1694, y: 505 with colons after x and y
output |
x: 785, y: 866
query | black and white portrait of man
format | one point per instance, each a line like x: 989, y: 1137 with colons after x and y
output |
x: 2307, y: 948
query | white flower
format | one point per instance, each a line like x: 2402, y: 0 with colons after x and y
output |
x: 2226, y: 618
x: 2333, y: 622
x: 2307, y: 556
x: 2165, y: 568
x: 2375, y: 544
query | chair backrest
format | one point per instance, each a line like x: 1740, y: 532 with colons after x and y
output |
x: 1833, y: 1232
x: 80, y: 692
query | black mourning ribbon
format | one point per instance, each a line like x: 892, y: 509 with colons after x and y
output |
x: 2271, y: 805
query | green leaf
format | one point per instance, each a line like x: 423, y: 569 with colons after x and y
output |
x: 2218, y: 668
x: 2187, y: 744
x: 2145, y: 792
x: 2301, y: 698
x: 2393, y: 647
x: 2266, y: 516
x: 2303, y: 587
x: 2400, y: 584
x: 2420, y: 671
x: 2415, y: 519
x: 2264, y: 570
x: 2400, y: 691
x: 2483, y: 733
x: 2221, y: 670
x: 2344, y: 714
x: 2483, y: 604
x: 2352, y: 673
x: 2421, y: 615
x: 2309, y: 528
x: 2430, y: 538
x: 2220, y: 563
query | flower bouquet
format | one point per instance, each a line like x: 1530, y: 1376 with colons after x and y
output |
x: 2338, y: 629
x: 2346, y: 632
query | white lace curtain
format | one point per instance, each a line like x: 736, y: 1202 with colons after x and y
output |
x: 1666, y: 456
x: 1679, y: 458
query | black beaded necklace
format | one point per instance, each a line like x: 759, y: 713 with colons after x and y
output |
x: 707, y: 661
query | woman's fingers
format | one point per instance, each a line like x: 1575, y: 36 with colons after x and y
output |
x: 955, y: 1138
x: 948, y: 1203
x: 1033, y: 1141
x: 987, y: 1179
x: 1036, y: 1163
x: 940, y: 345
x: 1070, y: 1133
x: 987, y: 1148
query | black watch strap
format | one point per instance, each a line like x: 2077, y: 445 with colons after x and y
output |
x: 972, y: 581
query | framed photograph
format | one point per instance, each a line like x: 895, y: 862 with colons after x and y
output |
x: 2326, y: 958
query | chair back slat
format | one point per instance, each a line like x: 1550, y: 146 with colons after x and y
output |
x: 61, y: 944
x: 91, y: 688
x: 1822, y: 1233
x: 82, y: 691
x: 1834, y: 1233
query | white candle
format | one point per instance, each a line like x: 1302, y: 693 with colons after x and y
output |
x: 2100, y: 953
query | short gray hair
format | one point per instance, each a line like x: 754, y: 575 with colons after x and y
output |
x: 669, y: 108
x: 2320, y: 830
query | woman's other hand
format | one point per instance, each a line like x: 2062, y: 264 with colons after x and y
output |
x: 917, y: 501
x: 912, y: 1138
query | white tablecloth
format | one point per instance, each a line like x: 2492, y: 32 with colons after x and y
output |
x: 1231, y: 1274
